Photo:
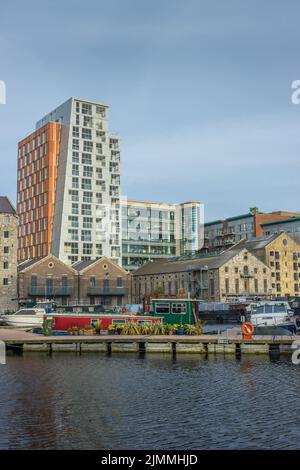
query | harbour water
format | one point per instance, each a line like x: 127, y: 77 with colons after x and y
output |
x: 127, y: 401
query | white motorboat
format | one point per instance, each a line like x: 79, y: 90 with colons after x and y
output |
x: 273, y: 318
x: 25, y: 317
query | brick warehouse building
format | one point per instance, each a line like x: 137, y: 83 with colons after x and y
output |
x: 88, y: 282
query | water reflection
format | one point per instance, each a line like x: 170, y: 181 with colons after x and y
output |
x: 154, y: 401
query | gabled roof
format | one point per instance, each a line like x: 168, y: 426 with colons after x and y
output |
x: 33, y: 262
x: 81, y: 266
x: 26, y: 264
x: 260, y: 242
x: 163, y: 266
x: 6, y: 206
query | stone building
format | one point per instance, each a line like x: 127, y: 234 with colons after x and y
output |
x: 282, y: 254
x: 8, y: 255
x: 233, y: 273
x: 86, y: 282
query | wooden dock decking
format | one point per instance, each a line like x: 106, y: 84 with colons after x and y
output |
x: 228, y: 343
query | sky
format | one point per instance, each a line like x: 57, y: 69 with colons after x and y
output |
x: 199, y: 91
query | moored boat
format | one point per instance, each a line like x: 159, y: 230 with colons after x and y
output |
x: 25, y: 317
x: 273, y: 318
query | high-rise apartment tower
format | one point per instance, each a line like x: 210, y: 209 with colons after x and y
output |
x: 68, y: 196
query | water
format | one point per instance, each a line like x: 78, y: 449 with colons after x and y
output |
x: 93, y: 401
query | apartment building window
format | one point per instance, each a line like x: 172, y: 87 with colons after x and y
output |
x: 75, y: 131
x: 88, y: 171
x: 6, y: 250
x: 75, y: 157
x: 86, y: 159
x: 6, y: 234
x: 87, y: 196
x: 73, y: 234
x: 99, y: 173
x: 99, y: 148
x: 86, y: 235
x: 87, y: 248
x: 101, y: 158
x: 92, y: 281
x: 86, y: 209
x: 87, y: 146
x: 86, y: 108
x: 87, y: 222
x: 277, y: 255
x: 74, y: 195
x: 75, y: 144
x: 75, y: 209
x: 74, y: 221
x: 237, y: 287
x: 77, y: 107
x: 71, y: 248
x: 106, y: 284
x: 86, y: 134
x: 5, y: 281
x: 77, y: 119
x: 5, y: 265
x: 75, y: 170
x: 87, y: 121
x: 265, y: 286
x: 75, y: 183
x: 226, y: 285
x: 98, y: 249
x: 101, y: 111
x: 255, y: 285
x: 86, y: 184
x: 115, y: 252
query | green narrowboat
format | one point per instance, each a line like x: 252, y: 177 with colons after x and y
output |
x: 175, y: 311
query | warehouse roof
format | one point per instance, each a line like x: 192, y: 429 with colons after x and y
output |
x: 6, y: 206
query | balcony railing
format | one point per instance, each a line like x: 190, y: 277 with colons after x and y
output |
x: 50, y: 292
x: 111, y: 291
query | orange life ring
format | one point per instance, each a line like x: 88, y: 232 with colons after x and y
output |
x: 247, y: 330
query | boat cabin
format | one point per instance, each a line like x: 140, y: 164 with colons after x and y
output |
x: 175, y: 311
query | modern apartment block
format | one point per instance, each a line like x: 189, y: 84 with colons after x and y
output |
x: 69, y: 186
x: 8, y: 255
x: 221, y: 234
x: 290, y: 226
x: 152, y: 230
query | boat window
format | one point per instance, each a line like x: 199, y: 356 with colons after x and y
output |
x: 25, y: 312
x: 179, y: 308
x: 162, y: 308
x: 279, y: 308
x: 269, y: 308
x: 259, y: 309
x: 143, y: 322
x: 117, y: 322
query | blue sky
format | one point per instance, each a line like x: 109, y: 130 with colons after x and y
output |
x: 200, y: 92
